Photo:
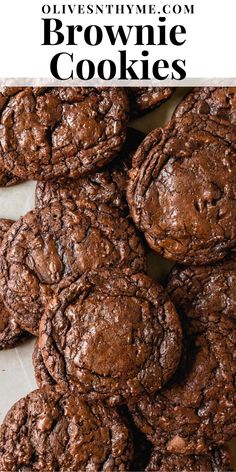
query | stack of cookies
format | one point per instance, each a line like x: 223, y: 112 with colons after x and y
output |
x: 131, y: 375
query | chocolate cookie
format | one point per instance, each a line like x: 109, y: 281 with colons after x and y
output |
x: 197, y: 409
x: 111, y: 335
x: 56, y: 132
x: 219, y: 460
x: 105, y: 186
x: 5, y: 225
x: 144, y: 99
x: 182, y: 190
x: 59, y: 242
x: 6, y: 178
x: 10, y: 332
x: 48, y: 431
x: 6, y: 93
x: 206, y: 290
x: 42, y: 376
x: 216, y: 103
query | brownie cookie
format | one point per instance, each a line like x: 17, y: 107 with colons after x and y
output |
x: 48, y: 431
x: 6, y: 178
x: 182, y: 190
x: 10, y: 332
x: 6, y: 93
x: 59, y: 242
x: 111, y: 335
x: 105, y: 186
x: 56, y: 132
x: 42, y: 376
x: 216, y: 103
x: 5, y: 225
x: 144, y: 99
x: 219, y: 460
x: 197, y: 409
x: 206, y: 290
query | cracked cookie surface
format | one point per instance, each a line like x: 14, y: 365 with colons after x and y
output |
x: 111, y: 336
x: 182, y: 190
x: 217, y: 103
x: 10, y: 331
x: 48, y: 133
x: 6, y: 178
x: 104, y: 186
x: 205, y: 290
x: 144, y: 99
x: 49, y: 431
x: 42, y: 376
x: 59, y: 242
x: 218, y: 460
x: 197, y: 409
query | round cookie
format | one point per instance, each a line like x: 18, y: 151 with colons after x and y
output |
x: 105, y: 186
x: 218, y: 460
x: 144, y: 99
x: 10, y: 332
x: 6, y: 178
x: 49, y: 431
x: 63, y: 131
x: 205, y: 290
x: 216, y: 103
x: 197, y: 409
x: 46, y: 247
x: 111, y: 335
x: 182, y: 190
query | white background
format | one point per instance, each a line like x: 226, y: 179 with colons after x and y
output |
x: 209, y: 49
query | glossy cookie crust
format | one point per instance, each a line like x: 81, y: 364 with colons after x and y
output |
x: 42, y: 376
x: 48, y: 246
x: 144, y: 99
x: 48, y: 133
x: 182, y: 190
x: 215, y: 103
x: 197, y: 409
x: 218, y: 460
x: 111, y: 336
x: 10, y: 331
x: 107, y: 185
x: 6, y: 178
x: 50, y: 431
x: 206, y: 291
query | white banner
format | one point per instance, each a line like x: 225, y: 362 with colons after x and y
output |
x: 117, y: 43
